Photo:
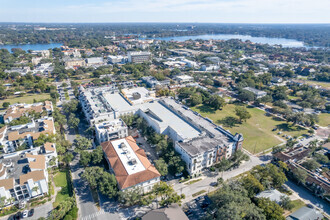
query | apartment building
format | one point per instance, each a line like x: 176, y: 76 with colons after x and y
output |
x: 110, y: 130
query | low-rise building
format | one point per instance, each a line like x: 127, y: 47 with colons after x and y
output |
x: 95, y: 61
x: 184, y: 79
x: 110, y: 130
x: 258, y: 93
x: 27, y: 133
x: 130, y: 164
x: 18, y: 110
x: 117, y: 59
x: 138, y: 57
x: 74, y: 63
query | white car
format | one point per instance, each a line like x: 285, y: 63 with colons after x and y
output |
x: 25, y: 214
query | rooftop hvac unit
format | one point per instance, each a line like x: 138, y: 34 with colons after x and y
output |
x: 136, y: 95
x: 132, y: 162
x: 123, y: 145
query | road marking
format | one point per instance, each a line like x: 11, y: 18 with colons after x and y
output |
x: 93, y: 215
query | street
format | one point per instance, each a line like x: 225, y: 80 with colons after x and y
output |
x: 210, y: 177
x: 302, y: 193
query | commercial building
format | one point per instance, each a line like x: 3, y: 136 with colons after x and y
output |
x: 130, y: 164
x: 258, y: 93
x: 110, y: 130
x: 95, y: 61
x: 138, y: 57
x: 117, y: 59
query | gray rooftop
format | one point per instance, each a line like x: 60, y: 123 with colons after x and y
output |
x: 273, y: 195
x: 305, y: 213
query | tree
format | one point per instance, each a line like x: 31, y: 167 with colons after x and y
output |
x: 242, y: 113
x: 5, y: 104
x: 216, y: 102
x: 166, y: 194
x: 286, y: 203
x: 244, y: 95
x: 71, y: 106
x: 290, y: 143
x: 68, y: 157
x: 161, y: 166
x: 252, y: 185
x: 134, y: 197
x: 299, y: 175
x: 97, y: 155
x: 270, y: 176
x: 311, y: 164
x: 85, y: 158
x: 99, y: 179
x: 82, y: 143
x: 73, y: 122
x: 271, y: 209
x: 195, y: 99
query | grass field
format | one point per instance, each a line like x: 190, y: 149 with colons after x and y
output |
x: 60, y: 180
x: 324, y: 119
x: 297, y: 205
x: 323, y: 84
x: 257, y: 131
x: 28, y: 98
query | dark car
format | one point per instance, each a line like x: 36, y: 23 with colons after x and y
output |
x: 18, y: 215
x: 31, y: 212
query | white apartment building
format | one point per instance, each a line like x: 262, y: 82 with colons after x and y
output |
x: 110, y: 130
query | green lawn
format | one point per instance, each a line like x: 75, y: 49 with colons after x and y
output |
x: 257, y: 131
x: 27, y: 98
x: 324, y: 119
x: 297, y: 205
x: 293, y: 97
x: 323, y: 84
x: 60, y: 180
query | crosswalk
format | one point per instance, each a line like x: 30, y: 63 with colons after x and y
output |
x: 93, y: 215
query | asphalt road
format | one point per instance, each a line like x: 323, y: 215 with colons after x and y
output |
x: 210, y: 177
x: 308, y: 197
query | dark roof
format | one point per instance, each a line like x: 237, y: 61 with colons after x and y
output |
x: 172, y: 212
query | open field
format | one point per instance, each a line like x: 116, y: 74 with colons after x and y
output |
x: 323, y: 84
x: 27, y: 98
x: 324, y: 119
x: 257, y: 131
x: 60, y: 180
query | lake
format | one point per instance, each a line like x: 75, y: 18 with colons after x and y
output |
x: 263, y: 40
x: 27, y: 47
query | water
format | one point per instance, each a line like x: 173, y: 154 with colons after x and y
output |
x: 27, y: 47
x: 262, y: 40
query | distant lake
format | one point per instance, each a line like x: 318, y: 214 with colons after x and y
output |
x: 27, y: 47
x: 262, y: 40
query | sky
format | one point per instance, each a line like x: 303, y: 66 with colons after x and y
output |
x: 213, y: 11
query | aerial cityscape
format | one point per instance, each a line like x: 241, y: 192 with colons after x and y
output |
x: 165, y: 110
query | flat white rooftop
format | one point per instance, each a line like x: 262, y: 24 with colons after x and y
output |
x: 127, y: 156
x: 167, y: 118
x: 145, y: 95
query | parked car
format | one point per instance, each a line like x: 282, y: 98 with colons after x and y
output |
x: 25, y: 214
x: 31, y: 212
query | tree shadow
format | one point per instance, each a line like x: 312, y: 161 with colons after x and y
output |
x: 229, y: 121
x: 288, y: 127
x: 206, y: 109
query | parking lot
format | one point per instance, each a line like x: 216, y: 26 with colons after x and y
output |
x: 196, y: 208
